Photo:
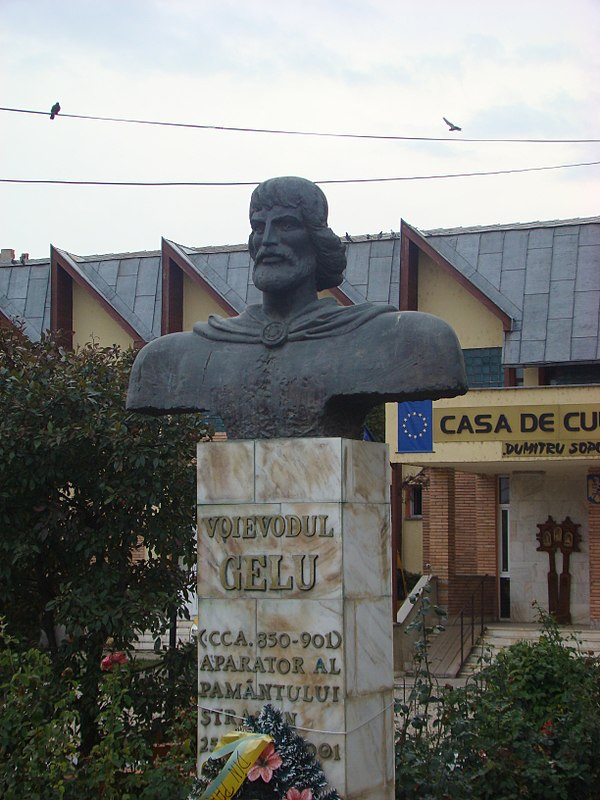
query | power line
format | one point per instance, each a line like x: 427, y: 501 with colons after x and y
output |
x: 297, y: 133
x: 464, y: 174
x: 56, y: 182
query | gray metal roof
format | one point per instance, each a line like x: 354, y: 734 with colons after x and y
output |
x: 227, y: 271
x: 131, y: 283
x: 25, y: 296
x: 373, y: 270
x: 545, y: 275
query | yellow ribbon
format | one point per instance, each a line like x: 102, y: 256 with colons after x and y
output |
x: 245, y: 748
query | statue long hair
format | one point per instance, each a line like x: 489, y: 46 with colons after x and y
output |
x: 308, y: 197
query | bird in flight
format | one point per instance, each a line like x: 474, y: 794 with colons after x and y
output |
x: 451, y: 125
x: 54, y: 110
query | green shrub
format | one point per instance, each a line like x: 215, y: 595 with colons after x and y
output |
x: 38, y: 740
x: 528, y: 725
x: 40, y: 735
x: 124, y: 763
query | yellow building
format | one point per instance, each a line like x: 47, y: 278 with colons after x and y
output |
x: 521, y: 450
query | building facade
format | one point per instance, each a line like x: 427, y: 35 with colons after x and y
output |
x: 509, y: 475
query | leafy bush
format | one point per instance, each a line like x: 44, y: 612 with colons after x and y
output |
x: 125, y: 762
x: 38, y: 741
x: 527, y: 725
x: 40, y: 734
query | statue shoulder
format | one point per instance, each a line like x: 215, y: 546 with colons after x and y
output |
x: 412, y: 354
x: 164, y: 376
x: 415, y: 327
x: 436, y: 350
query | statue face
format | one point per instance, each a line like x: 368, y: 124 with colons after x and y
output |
x: 285, y: 255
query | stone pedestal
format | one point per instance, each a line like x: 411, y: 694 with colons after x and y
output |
x: 295, y: 606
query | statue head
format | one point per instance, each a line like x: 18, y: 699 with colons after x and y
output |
x: 307, y: 197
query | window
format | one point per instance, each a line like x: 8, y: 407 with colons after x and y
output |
x: 573, y: 374
x: 414, y: 502
x: 484, y: 367
x: 519, y: 376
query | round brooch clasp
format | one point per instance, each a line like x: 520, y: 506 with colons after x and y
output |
x: 274, y: 334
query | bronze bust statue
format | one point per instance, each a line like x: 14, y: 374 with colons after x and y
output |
x: 297, y: 366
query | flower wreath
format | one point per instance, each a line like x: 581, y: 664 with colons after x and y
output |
x: 286, y: 769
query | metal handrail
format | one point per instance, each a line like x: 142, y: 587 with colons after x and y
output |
x: 471, y: 602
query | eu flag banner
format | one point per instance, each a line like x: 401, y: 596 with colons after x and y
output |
x: 415, y: 427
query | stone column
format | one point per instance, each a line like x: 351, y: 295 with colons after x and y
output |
x: 593, y: 525
x: 295, y: 605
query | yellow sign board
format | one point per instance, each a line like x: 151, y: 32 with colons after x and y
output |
x: 547, y: 423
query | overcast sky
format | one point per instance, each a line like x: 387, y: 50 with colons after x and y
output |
x: 526, y: 69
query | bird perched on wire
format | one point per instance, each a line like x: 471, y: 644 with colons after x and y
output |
x: 451, y: 125
x: 54, y: 110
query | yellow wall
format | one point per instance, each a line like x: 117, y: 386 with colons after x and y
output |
x: 412, y: 531
x: 197, y: 304
x: 91, y: 322
x: 442, y: 295
x: 412, y: 545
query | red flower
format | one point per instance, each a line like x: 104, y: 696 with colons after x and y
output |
x: 296, y: 794
x: 267, y: 761
x: 546, y: 729
x: 117, y: 657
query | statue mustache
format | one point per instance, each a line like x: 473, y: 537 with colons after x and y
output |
x: 263, y: 252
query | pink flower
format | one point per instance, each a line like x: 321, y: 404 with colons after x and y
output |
x: 546, y: 729
x: 296, y: 794
x: 267, y: 761
x: 108, y: 662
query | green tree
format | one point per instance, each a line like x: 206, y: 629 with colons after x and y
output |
x: 82, y: 482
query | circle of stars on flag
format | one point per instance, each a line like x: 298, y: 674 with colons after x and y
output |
x: 410, y: 417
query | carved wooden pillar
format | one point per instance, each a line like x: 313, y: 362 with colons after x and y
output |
x: 564, y: 537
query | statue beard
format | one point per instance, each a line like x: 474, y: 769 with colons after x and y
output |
x: 289, y: 272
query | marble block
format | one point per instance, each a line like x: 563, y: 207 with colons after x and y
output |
x: 295, y: 605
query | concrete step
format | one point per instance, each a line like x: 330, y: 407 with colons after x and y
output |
x: 584, y: 639
x: 501, y: 635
